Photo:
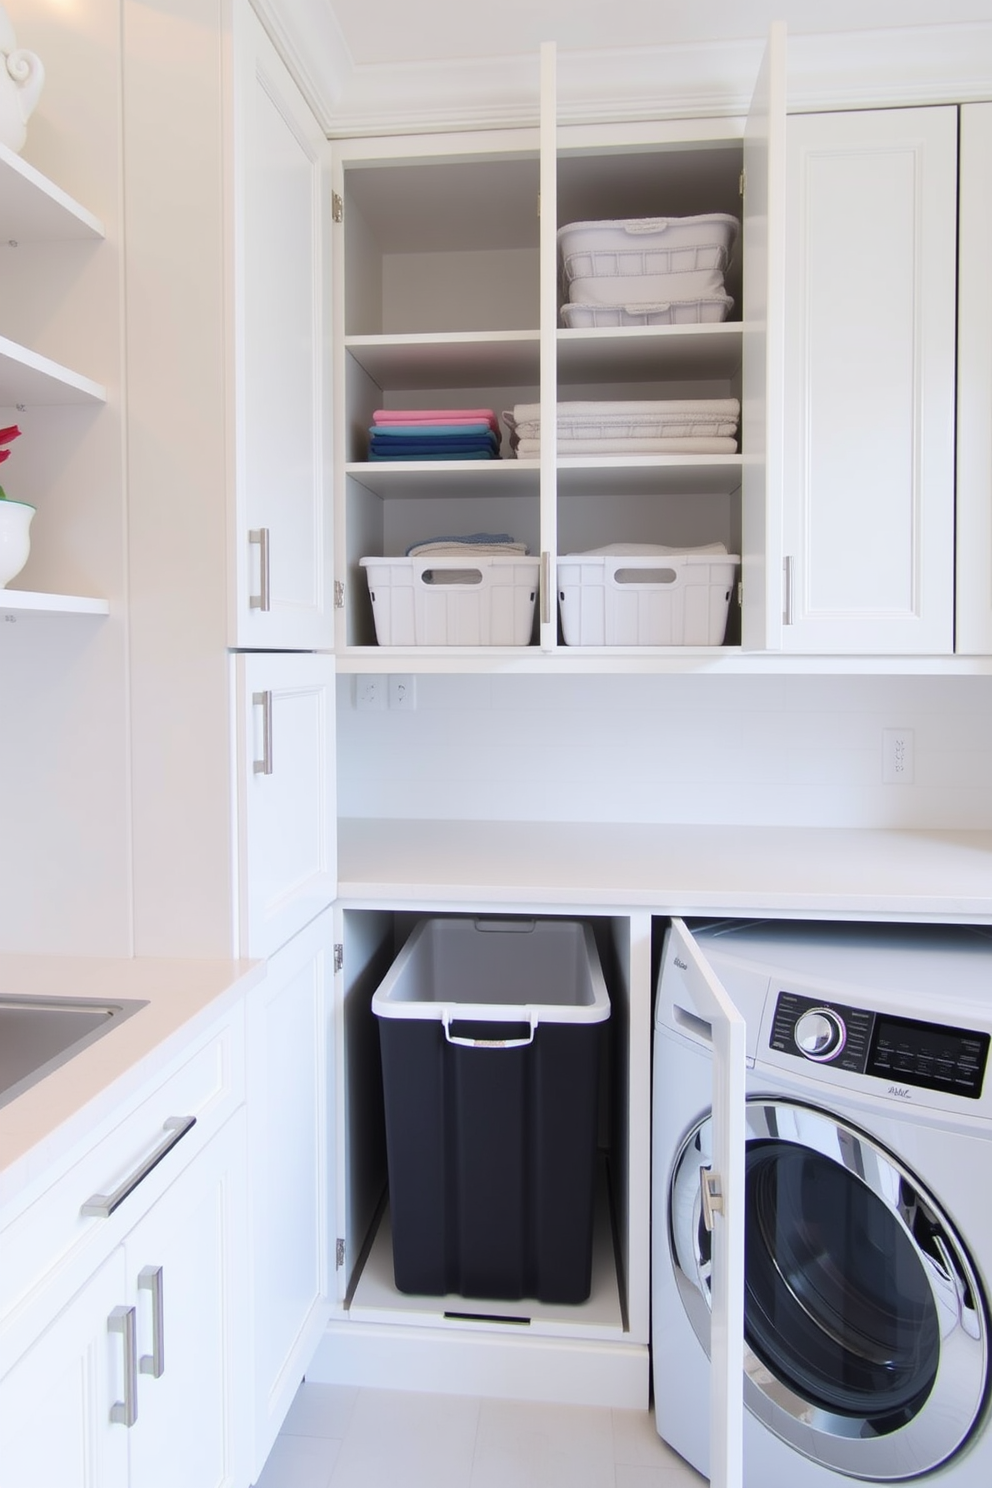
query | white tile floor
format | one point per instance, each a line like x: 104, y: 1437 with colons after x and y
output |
x: 338, y: 1437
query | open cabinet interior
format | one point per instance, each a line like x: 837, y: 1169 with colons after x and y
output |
x: 366, y: 1286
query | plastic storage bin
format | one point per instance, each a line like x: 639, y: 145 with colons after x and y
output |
x: 453, y: 601
x: 636, y: 247
x: 616, y: 599
x: 490, y: 1032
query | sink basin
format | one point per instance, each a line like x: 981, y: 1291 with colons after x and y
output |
x: 38, y: 1034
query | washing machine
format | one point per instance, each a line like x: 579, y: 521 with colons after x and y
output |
x: 868, y: 1202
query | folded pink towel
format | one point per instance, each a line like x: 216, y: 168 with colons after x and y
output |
x: 437, y: 416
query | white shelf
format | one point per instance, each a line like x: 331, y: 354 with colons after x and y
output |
x: 21, y: 600
x: 33, y: 209
x: 28, y: 378
x: 466, y: 359
x: 656, y: 353
x: 457, y: 478
x: 646, y: 475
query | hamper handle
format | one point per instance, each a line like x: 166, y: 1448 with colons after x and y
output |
x: 646, y: 225
x: 477, y: 1043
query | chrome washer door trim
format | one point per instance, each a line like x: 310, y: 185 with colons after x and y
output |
x: 858, y: 1445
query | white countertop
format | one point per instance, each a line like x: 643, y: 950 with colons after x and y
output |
x: 40, y: 1128
x: 688, y: 870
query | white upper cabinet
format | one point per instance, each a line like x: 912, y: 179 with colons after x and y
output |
x: 868, y: 511
x: 974, y: 490
x: 283, y: 593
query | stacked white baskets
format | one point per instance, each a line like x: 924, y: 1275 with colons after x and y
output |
x: 646, y: 270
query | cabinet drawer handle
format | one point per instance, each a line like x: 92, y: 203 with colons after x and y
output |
x: 263, y: 700
x: 125, y: 1412
x: 102, y: 1206
x: 150, y: 1280
x: 260, y: 536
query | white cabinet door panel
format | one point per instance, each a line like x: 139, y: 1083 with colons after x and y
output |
x: 727, y: 1031
x: 869, y: 392
x: 283, y: 575
x: 287, y: 850
x: 974, y: 512
x: 762, y: 373
x: 290, y: 1038
x: 191, y: 1422
x: 56, y: 1429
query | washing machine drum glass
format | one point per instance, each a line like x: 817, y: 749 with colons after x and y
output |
x: 865, y: 1331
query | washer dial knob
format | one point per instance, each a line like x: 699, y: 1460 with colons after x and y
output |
x: 820, y: 1033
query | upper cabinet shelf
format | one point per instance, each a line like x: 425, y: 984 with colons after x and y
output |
x: 34, y: 210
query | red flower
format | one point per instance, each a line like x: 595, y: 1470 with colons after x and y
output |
x: 6, y: 435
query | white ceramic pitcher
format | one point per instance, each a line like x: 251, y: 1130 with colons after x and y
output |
x: 21, y: 78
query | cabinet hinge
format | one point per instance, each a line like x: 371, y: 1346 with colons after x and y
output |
x: 338, y: 957
x: 740, y: 595
x: 338, y: 594
x: 337, y: 207
x: 742, y: 182
x: 339, y: 1255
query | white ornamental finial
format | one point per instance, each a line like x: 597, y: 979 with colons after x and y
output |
x: 21, y: 79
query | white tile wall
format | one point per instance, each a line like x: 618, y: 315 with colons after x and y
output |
x: 790, y: 750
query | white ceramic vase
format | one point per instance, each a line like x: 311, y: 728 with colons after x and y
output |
x: 21, y: 79
x: 15, y: 538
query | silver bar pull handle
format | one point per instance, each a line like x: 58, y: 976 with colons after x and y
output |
x: 789, y: 582
x: 150, y: 1280
x: 260, y: 536
x: 711, y: 1194
x: 545, y: 587
x: 102, y: 1206
x: 125, y: 1412
x: 263, y: 700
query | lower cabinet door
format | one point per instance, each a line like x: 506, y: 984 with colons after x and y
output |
x: 57, y: 1426
x: 187, y: 1279
x: 290, y: 1173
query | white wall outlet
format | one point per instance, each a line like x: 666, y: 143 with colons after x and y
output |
x: 370, y: 693
x: 897, y: 756
x: 403, y: 692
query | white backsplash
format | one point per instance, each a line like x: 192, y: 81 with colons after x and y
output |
x: 776, y: 750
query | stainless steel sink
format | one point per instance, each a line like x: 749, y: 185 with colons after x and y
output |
x: 38, y: 1034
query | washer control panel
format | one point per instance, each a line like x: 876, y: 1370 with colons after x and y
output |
x: 907, y: 1051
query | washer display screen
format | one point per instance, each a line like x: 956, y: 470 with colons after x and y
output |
x: 929, y: 1054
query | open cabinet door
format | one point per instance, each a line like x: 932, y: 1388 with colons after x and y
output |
x: 763, y: 355
x: 723, y: 1201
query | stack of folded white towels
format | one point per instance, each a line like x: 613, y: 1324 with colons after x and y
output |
x: 698, y: 426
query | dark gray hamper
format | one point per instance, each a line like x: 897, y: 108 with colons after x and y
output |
x: 490, y: 1033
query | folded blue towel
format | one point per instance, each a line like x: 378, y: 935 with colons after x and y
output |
x: 422, y: 454
x: 428, y: 431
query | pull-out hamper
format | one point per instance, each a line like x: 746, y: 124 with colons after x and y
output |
x: 490, y: 1031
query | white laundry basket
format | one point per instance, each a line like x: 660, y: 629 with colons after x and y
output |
x: 441, y: 600
x: 638, y: 260
x: 632, y: 599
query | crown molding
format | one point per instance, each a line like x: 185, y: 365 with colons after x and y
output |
x: 867, y: 69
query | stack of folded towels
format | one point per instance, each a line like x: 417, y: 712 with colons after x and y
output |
x: 434, y: 434
x: 696, y: 426
x: 480, y: 544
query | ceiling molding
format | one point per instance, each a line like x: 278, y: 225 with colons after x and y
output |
x: 872, y: 69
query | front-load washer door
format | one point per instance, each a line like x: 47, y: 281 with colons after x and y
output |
x: 865, y: 1328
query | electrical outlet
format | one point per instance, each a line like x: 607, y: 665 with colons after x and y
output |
x: 370, y: 693
x: 897, y: 756
x: 403, y: 692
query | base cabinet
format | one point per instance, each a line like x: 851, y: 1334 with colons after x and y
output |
x: 136, y: 1383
